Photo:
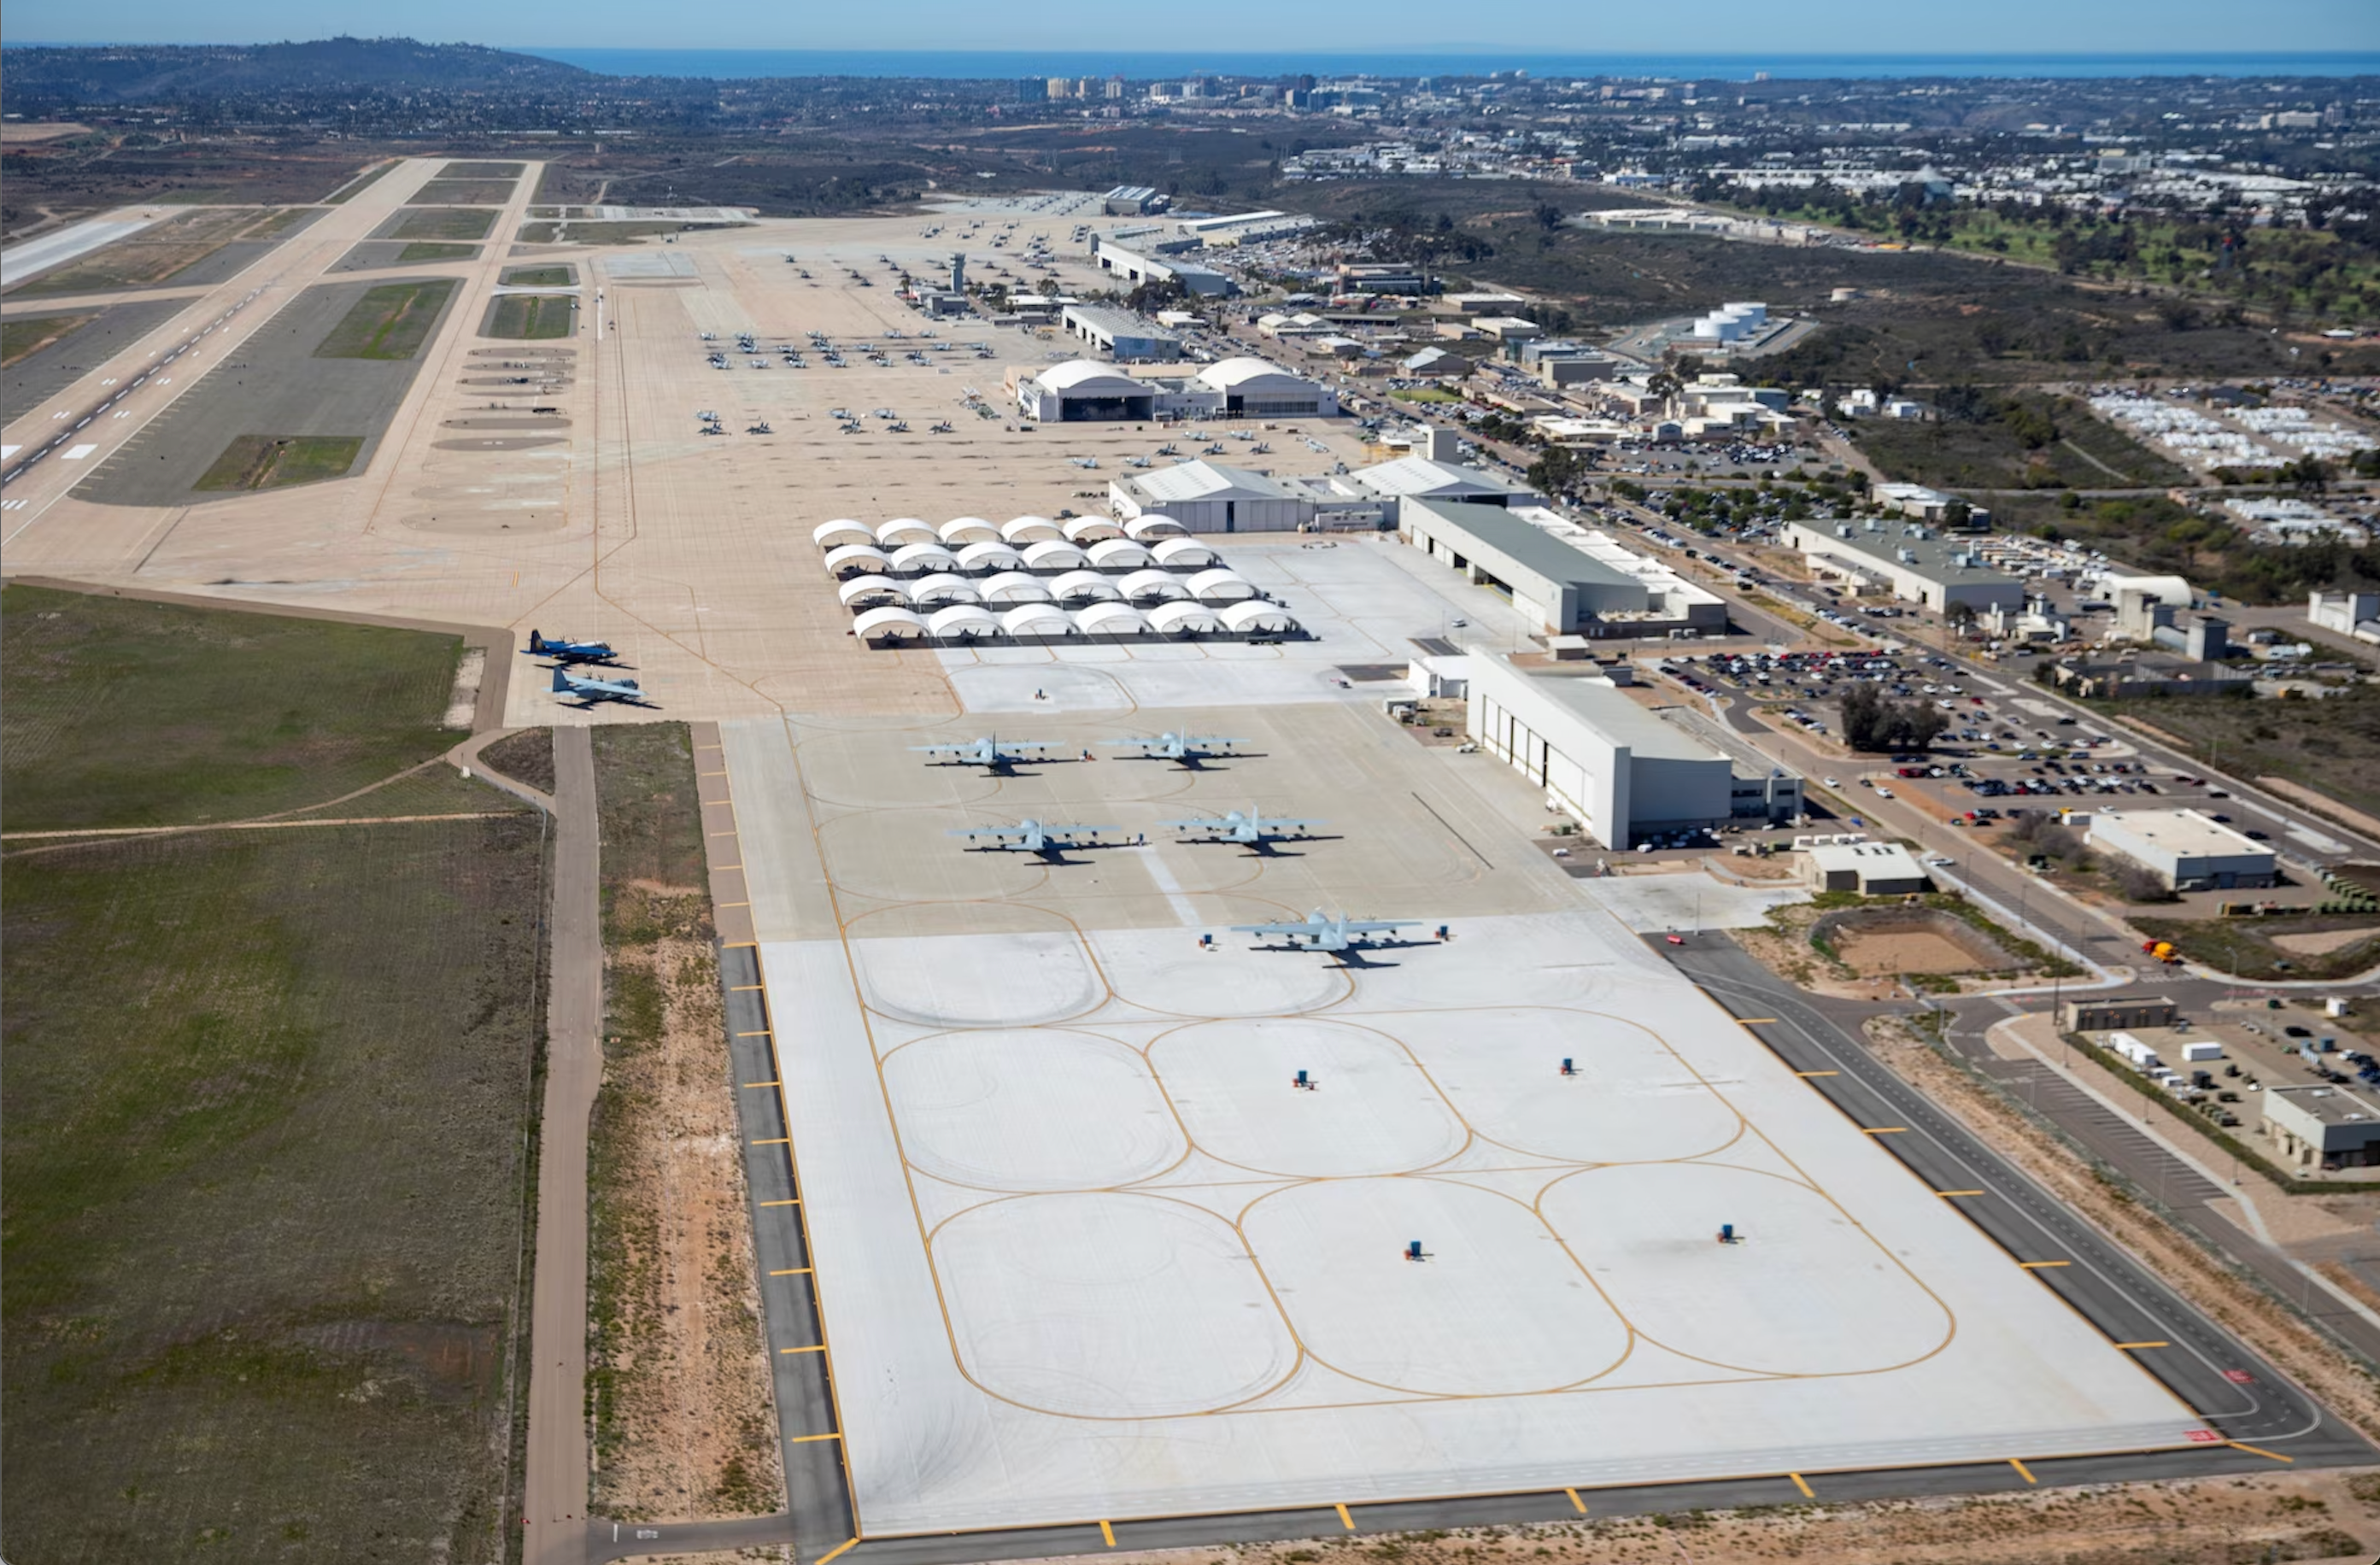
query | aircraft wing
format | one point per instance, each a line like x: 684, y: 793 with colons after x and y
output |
x: 1298, y: 926
x: 1076, y: 831
x: 1370, y: 926
x: 943, y: 750
x: 992, y: 831
x: 1211, y: 741
x: 1269, y: 823
x: 1205, y: 825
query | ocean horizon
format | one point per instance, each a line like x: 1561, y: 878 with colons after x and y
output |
x: 1147, y: 64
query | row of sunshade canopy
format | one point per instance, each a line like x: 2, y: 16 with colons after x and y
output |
x: 1007, y: 589
x: 1048, y: 555
x: 1148, y: 527
x: 963, y: 621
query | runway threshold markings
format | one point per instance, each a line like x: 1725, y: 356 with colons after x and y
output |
x: 2023, y: 1471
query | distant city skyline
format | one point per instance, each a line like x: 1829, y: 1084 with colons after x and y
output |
x: 1546, y: 28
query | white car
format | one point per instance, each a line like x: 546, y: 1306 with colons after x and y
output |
x: 1884, y: 793
x: 1832, y: 782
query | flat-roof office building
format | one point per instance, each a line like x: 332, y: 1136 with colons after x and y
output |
x: 1557, y: 580
x: 1915, y: 562
x: 2187, y: 849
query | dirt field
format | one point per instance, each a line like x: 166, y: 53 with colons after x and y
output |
x: 2322, y: 944
x: 145, y: 259
x: 685, y: 1426
x: 1877, y: 952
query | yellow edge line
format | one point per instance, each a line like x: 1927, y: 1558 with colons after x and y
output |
x: 2037, y: 1265
x: 1755, y: 1021
x: 780, y: 1203
x: 775, y: 1140
x: 1576, y: 1504
x: 1882, y: 1130
x: 1344, y: 1520
x: 1817, y: 1072
x: 792, y: 1272
x: 1797, y: 1483
x: 1108, y: 1532
x: 749, y: 1085
x: 745, y: 989
x: 2023, y: 1471
x: 819, y: 1349
x: 1946, y: 1193
x: 2258, y: 1450
x: 824, y: 1558
x: 762, y: 1032
x: 811, y: 1439
x: 2129, y: 1346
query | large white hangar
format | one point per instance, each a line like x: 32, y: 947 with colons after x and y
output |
x: 1254, y: 388
x: 1082, y: 392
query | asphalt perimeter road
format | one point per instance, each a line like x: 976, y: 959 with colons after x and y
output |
x: 2261, y: 1417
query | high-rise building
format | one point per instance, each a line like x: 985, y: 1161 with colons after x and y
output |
x: 1114, y: 87
x: 1032, y: 89
x: 1059, y: 89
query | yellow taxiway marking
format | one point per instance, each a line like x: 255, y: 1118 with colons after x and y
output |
x: 838, y: 1549
x: 775, y: 1140
x: 2258, y: 1450
x: 1946, y: 1195
x: 819, y: 1349
x: 745, y: 989
x: 1108, y: 1532
x: 1882, y: 1130
x: 749, y: 1085
x: 808, y: 1440
x: 761, y: 1033
x: 1817, y: 1072
x: 1755, y: 1021
x: 2131, y: 1347
x: 1801, y: 1485
x: 720, y: 833
x: 1344, y: 1520
x: 792, y: 1272
x: 1575, y: 1503
x: 780, y: 1203
x: 2023, y: 1471
x: 723, y: 868
x: 736, y: 904
x: 2037, y: 1265
x: 741, y: 945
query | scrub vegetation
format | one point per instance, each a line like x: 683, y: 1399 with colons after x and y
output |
x: 254, y: 462
x: 531, y: 316
x: 271, y: 1097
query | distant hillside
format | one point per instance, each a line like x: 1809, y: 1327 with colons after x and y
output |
x: 155, y: 74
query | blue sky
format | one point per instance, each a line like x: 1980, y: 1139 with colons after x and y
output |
x: 1218, y: 27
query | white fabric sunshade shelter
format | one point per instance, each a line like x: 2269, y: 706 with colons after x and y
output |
x: 1118, y: 555
x: 1181, y: 553
x: 1054, y: 554
x: 906, y: 529
x: 924, y: 557
x: 967, y: 529
x: 866, y: 591
x: 1022, y: 531
x: 1111, y: 619
x: 1183, y: 619
x: 1141, y: 587
x: 830, y: 535
x: 1220, y: 587
x: 889, y: 624
x: 1082, y: 586
x: 1091, y: 530
x: 989, y: 557
x: 1150, y: 525
x: 963, y: 620
x: 942, y: 588
x: 1038, y: 619
x: 1255, y: 616
x: 1014, y: 587
x: 853, y: 557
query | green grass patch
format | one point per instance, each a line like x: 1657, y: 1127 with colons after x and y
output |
x: 271, y: 1097
x: 482, y: 171
x: 391, y: 322
x: 558, y: 276
x: 463, y: 193
x: 420, y: 250
x: 2024, y: 441
x: 279, y: 461
x: 22, y: 339
x: 2245, y: 947
x: 447, y: 222
x: 626, y: 233
x: 531, y: 316
x: 2331, y: 746
x: 115, y: 712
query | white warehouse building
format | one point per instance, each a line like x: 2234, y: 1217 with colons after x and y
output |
x: 1254, y: 388
x: 1919, y: 565
x: 1623, y: 773
x: 2187, y: 849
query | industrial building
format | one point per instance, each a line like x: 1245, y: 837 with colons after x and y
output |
x: 1435, y: 478
x: 1244, y: 228
x: 1135, y: 267
x: 1732, y: 322
x: 2324, y: 1126
x: 2099, y: 1014
x: 1564, y: 580
x: 1133, y: 200
x: 2186, y: 849
x: 1874, y: 870
x: 2345, y: 613
x: 1080, y: 392
x: 2136, y: 674
x: 1913, y: 561
x: 1206, y: 497
x: 1624, y: 774
x: 1125, y: 336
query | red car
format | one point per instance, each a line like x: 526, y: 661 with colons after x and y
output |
x: 1675, y: 939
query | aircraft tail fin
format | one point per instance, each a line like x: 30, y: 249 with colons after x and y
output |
x: 536, y: 642
x: 560, y: 683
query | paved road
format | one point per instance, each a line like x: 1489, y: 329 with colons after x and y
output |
x: 555, y: 1504
x: 2101, y: 1281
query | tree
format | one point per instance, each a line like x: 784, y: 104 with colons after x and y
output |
x: 1874, y: 721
